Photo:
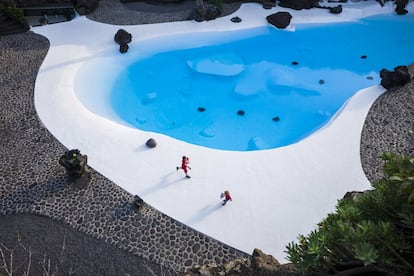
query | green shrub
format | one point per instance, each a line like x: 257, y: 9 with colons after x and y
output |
x: 217, y: 3
x: 373, y: 232
x: 14, y: 13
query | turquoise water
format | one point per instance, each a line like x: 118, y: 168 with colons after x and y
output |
x: 260, y: 91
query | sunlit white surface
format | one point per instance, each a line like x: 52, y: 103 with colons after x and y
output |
x: 277, y: 194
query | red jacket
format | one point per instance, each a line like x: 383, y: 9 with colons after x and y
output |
x: 185, y: 162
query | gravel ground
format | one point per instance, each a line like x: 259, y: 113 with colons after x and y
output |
x: 386, y: 129
x: 51, y: 246
x: 134, y: 13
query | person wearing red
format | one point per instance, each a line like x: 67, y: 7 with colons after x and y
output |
x: 184, y: 165
x: 227, y: 197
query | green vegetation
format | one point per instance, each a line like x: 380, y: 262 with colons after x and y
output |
x: 373, y: 232
x: 13, y: 13
x: 218, y: 4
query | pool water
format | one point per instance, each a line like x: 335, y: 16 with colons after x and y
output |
x: 261, y: 91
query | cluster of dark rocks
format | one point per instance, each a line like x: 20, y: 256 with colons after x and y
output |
x: 400, y: 6
x: 75, y: 163
x: 333, y: 10
x: 205, y: 12
x: 308, y: 4
x: 398, y: 77
x: 281, y: 20
x: 84, y: 7
x: 259, y: 264
x: 122, y: 37
x: 298, y: 4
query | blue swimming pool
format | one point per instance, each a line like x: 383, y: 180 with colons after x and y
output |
x: 264, y: 89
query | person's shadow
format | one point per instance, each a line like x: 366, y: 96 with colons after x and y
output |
x: 166, y: 181
x: 204, y: 212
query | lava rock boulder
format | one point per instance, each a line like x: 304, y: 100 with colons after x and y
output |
x: 280, y: 19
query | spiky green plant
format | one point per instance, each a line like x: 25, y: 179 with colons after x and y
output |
x: 373, y: 232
